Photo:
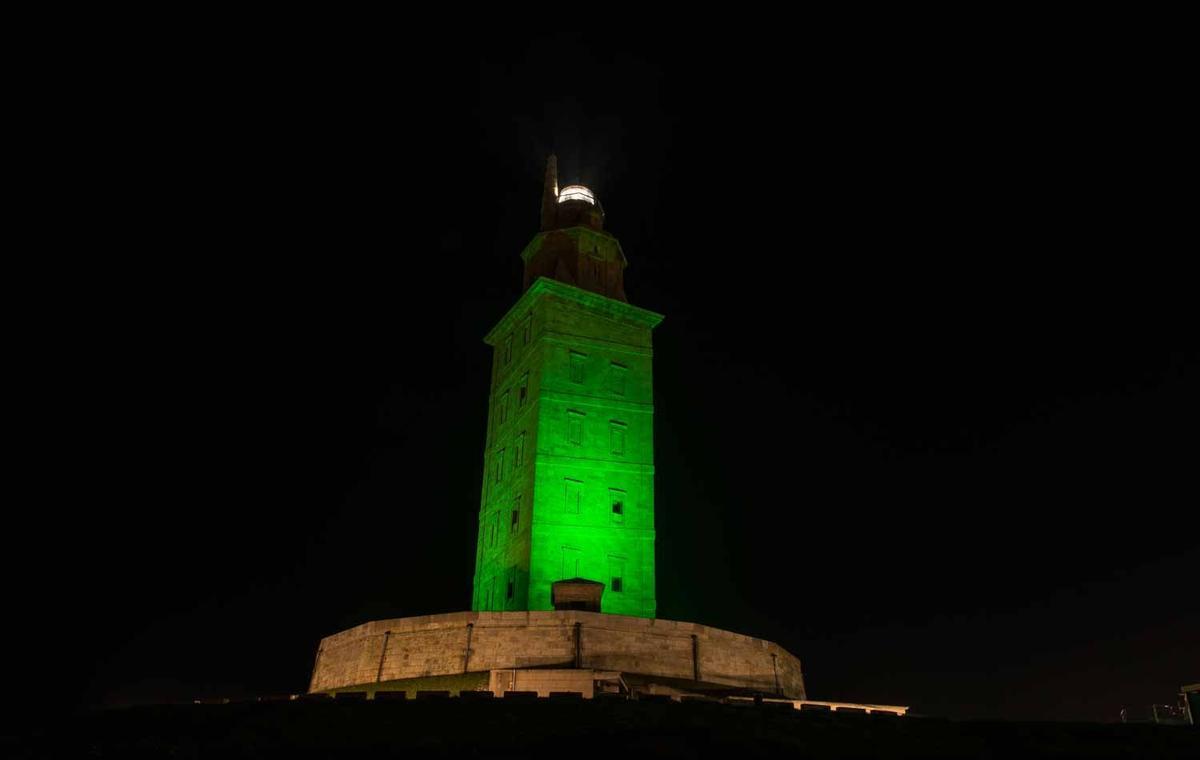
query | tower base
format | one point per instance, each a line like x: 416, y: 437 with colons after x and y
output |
x: 538, y: 649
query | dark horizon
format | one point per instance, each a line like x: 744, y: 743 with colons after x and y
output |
x: 925, y: 392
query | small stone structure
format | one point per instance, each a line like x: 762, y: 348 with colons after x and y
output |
x: 653, y: 656
x: 576, y: 594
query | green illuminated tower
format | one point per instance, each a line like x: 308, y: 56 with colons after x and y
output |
x: 568, y: 487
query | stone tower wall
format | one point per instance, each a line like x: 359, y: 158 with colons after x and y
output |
x: 569, y: 461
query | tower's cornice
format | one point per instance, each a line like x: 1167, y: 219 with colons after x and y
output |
x: 603, y: 305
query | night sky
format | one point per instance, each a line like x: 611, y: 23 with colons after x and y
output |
x: 925, y: 391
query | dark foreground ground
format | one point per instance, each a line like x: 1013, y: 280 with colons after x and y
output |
x: 563, y: 730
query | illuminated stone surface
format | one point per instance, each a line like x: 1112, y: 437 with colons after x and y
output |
x: 569, y: 466
x: 667, y: 650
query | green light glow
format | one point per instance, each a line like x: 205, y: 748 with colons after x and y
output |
x: 568, y: 485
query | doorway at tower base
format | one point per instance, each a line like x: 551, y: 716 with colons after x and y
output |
x: 674, y: 656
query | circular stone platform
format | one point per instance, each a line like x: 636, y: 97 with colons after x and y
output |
x: 659, y: 655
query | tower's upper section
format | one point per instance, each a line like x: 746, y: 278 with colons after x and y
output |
x: 573, y: 206
x: 573, y: 246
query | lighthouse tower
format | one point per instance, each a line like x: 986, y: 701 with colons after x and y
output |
x: 568, y: 488
x: 563, y: 598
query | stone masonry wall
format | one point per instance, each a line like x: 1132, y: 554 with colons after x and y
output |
x: 415, y: 647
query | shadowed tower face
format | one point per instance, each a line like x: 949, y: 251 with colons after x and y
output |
x: 568, y: 488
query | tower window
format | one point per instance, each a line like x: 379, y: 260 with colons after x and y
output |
x: 574, y: 427
x: 577, y: 361
x: 519, y: 451
x: 616, y: 378
x: 510, y: 589
x: 504, y: 407
x: 616, y: 498
x: 572, y: 559
x: 499, y: 465
x: 523, y: 389
x: 573, y: 495
x: 527, y: 330
x: 617, y: 437
x: 616, y: 572
x: 508, y: 345
x: 516, y: 520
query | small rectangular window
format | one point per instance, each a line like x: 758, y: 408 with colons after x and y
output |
x: 510, y: 589
x: 617, y: 437
x: 572, y: 559
x: 573, y: 495
x: 523, y: 389
x: 503, y: 407
x: 527, y: 330
x: 616, y: 499
x: 616, y: 572
x: 516, y: 520
x: 508, y: 346
x: 577, y: 361
x: 500, y: 465
x: 616, y: 378
x: 574, y: 427
x: 519, y: 451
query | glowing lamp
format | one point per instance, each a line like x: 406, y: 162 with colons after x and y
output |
x: 576, y: 193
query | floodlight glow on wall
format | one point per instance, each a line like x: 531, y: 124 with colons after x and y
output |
x: 576, y: 193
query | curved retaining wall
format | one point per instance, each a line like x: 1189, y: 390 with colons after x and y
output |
x: 461, y: 642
